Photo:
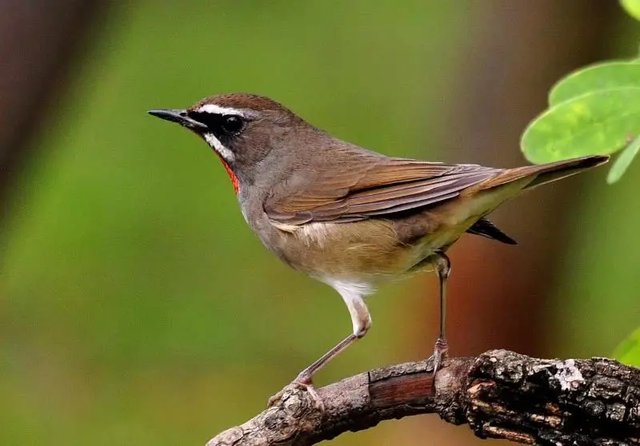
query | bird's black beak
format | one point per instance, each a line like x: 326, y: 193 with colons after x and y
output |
x: 179, y: 116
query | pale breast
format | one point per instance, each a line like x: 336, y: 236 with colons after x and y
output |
x: 368, y: 250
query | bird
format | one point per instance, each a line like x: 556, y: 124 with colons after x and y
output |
x: 351, y: 217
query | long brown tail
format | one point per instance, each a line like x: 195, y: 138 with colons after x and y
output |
x: 546, y: 173
x: 510, y: 182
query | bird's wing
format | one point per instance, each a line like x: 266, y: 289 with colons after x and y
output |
x: 356, y: 189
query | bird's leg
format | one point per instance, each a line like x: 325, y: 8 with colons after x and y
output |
x: 305, y: 376
x: 361, y: 322
x: 443, y: 268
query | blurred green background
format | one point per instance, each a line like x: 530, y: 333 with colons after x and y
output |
x: 136, y: 307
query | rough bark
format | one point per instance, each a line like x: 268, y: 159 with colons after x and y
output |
x: 499, y: 394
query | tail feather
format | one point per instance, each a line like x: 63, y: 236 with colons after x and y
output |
x: 487, y: 229
x: 561, y: 169
x: 545, y: 173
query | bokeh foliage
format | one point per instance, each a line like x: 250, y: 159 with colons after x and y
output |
x: 592, y: 111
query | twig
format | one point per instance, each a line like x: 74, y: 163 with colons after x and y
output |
x: 499, y: 394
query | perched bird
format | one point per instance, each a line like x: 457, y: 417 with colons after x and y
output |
x: 347, y: 216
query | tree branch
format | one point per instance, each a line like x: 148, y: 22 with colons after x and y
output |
x: 499, y: 394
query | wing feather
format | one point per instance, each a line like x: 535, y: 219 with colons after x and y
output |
x: 379, y: 187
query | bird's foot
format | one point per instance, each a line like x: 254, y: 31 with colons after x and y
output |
x: 439, y: 353
x: 302, y: 382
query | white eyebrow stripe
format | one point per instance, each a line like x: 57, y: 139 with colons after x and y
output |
x: 214, y: 142
x: 218, y: 110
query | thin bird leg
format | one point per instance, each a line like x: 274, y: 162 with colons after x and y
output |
x: 361, y: 322
x: 443, y: 269
x: 305, y: 376
x: 303, y: 380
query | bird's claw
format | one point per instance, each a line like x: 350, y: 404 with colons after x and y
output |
x: 296, y: 385
x: 439, y: 353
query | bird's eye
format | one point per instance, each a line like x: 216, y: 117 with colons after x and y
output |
x: 232, y: 124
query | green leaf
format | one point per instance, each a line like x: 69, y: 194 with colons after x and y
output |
x: 623, y: 161
x: 598, y: 122
x: 632, y: 7
x: 596, y: 77
x: 628, y: 352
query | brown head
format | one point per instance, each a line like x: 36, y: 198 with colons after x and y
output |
x: 243, y: 129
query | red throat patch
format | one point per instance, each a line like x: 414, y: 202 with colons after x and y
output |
x: 232, y: 176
